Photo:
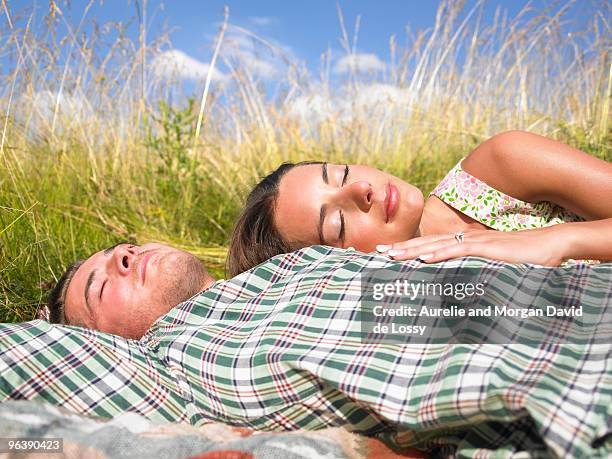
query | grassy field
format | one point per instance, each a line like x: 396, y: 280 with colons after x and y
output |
x: 92, y: 151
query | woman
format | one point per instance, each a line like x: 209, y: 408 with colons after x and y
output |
x: 518, y: 197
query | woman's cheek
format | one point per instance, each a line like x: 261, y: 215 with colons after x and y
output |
x: 367, y: 235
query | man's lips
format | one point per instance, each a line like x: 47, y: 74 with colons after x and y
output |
x: 143, y: 265
x: 391, y: 201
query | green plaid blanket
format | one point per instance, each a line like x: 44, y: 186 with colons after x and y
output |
x: 281, y: 347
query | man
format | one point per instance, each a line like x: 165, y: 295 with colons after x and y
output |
x: 284, y: 346
x: 122, y: 290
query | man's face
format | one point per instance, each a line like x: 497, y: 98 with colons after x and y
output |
x: 122, y: 290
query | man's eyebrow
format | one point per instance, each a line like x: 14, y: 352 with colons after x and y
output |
x: 108, y: 251
x: 324, y: 173
x: 88, y: 287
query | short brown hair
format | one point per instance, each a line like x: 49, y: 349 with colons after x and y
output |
x: 57, y: 298
x: 255, y: 237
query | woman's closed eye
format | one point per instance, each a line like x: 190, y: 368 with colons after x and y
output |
x: 342, y: 232
x: 337, y: 227
x: 336, y: 220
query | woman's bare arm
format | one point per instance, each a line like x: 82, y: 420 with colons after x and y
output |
x: 533, y: 168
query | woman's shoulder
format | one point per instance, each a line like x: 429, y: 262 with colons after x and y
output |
x: 483, y: 169
x: 490, y: 164
x: 485, y: 164
x: 537, y: 170
x: 493, y: 208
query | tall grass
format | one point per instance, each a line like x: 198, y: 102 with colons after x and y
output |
x: 94, y: 150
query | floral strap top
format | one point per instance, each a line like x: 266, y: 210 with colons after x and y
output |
x: 495, y: 209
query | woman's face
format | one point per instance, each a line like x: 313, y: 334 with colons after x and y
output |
x: 346, y: 206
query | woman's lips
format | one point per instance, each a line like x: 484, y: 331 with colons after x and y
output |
x: 391, y: 202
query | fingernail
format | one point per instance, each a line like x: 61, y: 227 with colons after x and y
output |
x: 425, y: 256
x: 382, y: 248
x: 394, y: 252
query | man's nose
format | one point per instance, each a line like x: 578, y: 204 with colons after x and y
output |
x: 361, y: 193
x: 123, y: 259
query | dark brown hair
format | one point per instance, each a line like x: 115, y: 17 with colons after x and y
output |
x: 57, y: 297
x: 255, y: 237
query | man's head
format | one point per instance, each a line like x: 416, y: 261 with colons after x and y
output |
x: 122, y: 290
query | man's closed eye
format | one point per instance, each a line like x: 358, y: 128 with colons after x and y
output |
x: 102, y: 288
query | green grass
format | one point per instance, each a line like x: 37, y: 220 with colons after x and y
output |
x: 129, y: 167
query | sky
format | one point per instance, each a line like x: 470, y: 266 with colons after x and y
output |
x: 301, y: 30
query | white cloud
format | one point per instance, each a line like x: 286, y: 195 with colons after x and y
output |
x: 176, y: 64
x: 261, y: 56
x: 262, y: 20
x: 261, y: 67
x: 360, y: 62
x: 312, y: 108
x: 58, y: 112
x: 379, y: 94
x: 66, y: 103
x: 371, y: 100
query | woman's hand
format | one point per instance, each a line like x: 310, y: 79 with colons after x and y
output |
x: 544, y: 246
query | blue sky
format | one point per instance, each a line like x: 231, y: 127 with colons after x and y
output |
x: 303, y: 29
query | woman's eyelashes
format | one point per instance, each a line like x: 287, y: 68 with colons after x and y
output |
x: 346, y: 173
x: 342, y: 232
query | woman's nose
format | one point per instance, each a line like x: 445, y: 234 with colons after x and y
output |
x: 360, y: 192
x: 123, y: 259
